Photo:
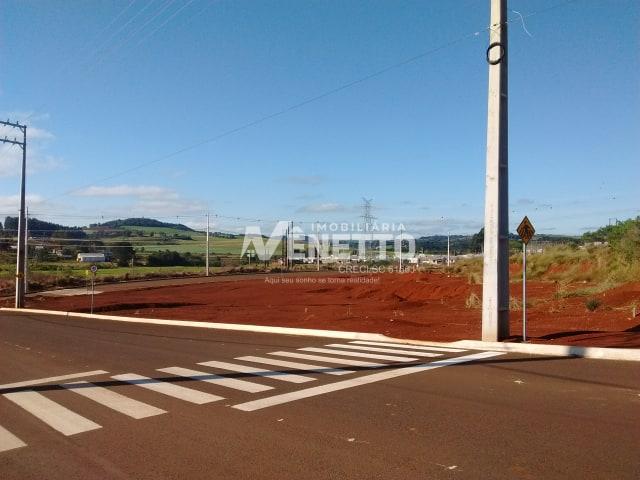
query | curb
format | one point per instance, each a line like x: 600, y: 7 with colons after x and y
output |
x: 223, y: 326
x: 599, y: 353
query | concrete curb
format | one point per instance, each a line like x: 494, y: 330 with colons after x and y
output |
x: 600, y: 353
x: 625, y: 354
x: 221, y: 326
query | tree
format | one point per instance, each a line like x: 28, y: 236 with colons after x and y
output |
x: 625, y: 240
x: 477, y: 241
x: 123, y: 253
x: 5, y: 244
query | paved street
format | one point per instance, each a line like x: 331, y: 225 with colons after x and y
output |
x: 96, y: 399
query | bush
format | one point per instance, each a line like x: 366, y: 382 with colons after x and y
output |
x: 473, y: 301
x: 173, y: 259
x: 592, y: 304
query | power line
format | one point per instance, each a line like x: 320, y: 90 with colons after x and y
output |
x: 308, y: 101
x: 101, y: 49
x: 117, y: 17
x: 131, y: 35
x: 270, y: 116
x: 149, y: 35
x: 73, y: 58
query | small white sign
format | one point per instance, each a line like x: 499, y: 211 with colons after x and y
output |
x: 94, y: 268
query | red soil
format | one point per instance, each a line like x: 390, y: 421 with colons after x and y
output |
x: 425, y: 306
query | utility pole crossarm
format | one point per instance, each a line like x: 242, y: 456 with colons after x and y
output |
x: 14, y: 141
x: 9, y: 123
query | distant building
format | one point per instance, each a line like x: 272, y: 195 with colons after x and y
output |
x: 91, y: 257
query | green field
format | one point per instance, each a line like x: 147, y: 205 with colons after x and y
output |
x: 217, y: 246
x: 48, y: 270
x: 155, y: 239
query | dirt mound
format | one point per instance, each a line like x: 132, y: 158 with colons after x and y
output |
x: 622, y: 296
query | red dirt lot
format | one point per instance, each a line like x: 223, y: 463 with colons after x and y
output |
x: 421, y: 306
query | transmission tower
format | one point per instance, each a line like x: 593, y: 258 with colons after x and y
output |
x: 368, y: 218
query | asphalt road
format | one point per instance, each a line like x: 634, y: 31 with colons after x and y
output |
x: 463, y: 415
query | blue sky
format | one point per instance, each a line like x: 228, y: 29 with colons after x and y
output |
x: 108, y: 86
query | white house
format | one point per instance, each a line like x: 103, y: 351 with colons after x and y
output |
x: 90, y: 257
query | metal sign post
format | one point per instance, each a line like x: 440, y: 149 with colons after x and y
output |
x: 526, y: 231
x: 94, y: 269
x: 524, y: 292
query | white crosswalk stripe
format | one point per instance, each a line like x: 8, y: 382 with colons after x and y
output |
x: 354, y: 382
x: 260, y: 372
x: 384, y: 350
x: 169, y: 389
x: 296, y: 365
x: 328, y: 351
x: 411, y: 347
x: 38, y: 381
x: 53, y: 414
x: 115, y: 401
x: 216, y: 379
x: 366, y: 361
x: 8, y: 441
x: 321, y: 358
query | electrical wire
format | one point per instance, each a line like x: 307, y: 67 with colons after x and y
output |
x: 131, y: 35
x: 153, y: 32
x: 305, y: 102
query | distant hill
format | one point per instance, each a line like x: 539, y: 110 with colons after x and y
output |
x: 474, y: 243
x: 40, y: 228
x: 141, y: 222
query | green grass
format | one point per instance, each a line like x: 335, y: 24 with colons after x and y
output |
x: 231, y: 246
x: 157, y: 230
x: 576, y: 272
x: 147, y: 230
x: 122, y: 271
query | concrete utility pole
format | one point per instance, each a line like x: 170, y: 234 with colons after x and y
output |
x: 448, y: 249
x: 284, y: 246
x: 495, y: 285
x: 317, y: 247
x: 26, y: 252
x: 20, y: 248
x: 290, y: 251
x: 400, y: 254
x: 207, y: 257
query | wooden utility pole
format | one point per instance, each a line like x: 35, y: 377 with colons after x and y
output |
x: 495, y: 286
x: 21, y: 246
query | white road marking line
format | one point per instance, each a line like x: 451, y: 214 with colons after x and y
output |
x: 8, y: 441
x: 216, y: 379
x: 355, y: 382
x: 320, y: 358
x: 340, y: 353
x: 166, y: 388
x: 38, y: 381
x: 260, y: 372
x: 298, y: 366
x: 53, y: 414
x: 125, y: 405
x: 384, y: 350
x: 412, y: 347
